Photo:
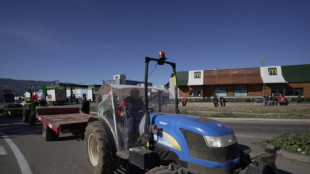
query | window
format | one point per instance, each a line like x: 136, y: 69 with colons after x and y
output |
x: 277, y: 91
x: 288, y: 91
x: 220, y: 91
x: 240, y: 91
x: 294, y: 91
x: 195, y: 93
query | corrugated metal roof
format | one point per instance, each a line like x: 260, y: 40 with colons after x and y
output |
x: 296, y: 73
x: 66, y: 85
x: 232, y: 76
x: 182, y: 78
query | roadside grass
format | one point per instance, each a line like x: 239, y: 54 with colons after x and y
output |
x: 244, y: 115
x: 250, y: 110
x: 294, y: 142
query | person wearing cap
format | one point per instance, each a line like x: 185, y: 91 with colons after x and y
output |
x: 132, y: 109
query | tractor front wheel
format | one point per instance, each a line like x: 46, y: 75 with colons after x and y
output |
x: 99, y: 154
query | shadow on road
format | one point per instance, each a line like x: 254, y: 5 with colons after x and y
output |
x: 15, y: 126
x: 69, y: 137
x: 283, y: 172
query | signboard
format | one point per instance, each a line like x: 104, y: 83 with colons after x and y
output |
x: 272, y: 71
x: 197, y: 75
x: 272, y: 74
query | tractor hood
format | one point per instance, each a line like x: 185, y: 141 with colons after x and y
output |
x: 200, y: 142
x: 200, y: 125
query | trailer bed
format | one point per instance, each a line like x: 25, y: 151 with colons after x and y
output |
x: 63, y: 120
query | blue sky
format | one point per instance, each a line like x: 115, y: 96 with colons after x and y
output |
x: 90, y: 41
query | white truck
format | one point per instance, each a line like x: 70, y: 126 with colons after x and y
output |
x: 57, y: 95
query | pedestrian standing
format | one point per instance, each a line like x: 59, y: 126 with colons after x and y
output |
x: 85, y: 106
x: 222, y: 101
x: 215, y: 101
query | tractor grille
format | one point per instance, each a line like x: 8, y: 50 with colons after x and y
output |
x: 199, y: 149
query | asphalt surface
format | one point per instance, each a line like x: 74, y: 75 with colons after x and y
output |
x: 67, y: 155
x: 251, y: 132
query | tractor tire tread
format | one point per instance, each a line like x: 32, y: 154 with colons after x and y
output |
x: 106, y: 163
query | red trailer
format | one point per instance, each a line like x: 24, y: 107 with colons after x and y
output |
x: 58, y: 120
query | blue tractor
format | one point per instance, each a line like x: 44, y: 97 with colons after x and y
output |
x: 138, y: 129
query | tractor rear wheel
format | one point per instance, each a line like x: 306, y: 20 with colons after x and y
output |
x: 99, y: 154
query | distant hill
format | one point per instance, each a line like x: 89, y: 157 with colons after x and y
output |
x: 19, y: 87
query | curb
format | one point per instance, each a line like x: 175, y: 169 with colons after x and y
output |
x: 259, y: 119
x: 290, y: 155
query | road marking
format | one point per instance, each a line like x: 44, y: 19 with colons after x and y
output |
x: 2, y: 151
x: 24, y: 167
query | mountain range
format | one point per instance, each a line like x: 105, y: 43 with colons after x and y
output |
x: 19, y: 87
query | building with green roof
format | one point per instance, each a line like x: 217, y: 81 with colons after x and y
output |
x: 290, y: 81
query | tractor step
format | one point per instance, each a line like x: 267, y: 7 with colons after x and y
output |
x: 122, y: 155
x: 143, y: 158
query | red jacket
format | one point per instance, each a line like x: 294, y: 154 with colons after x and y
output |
x: 130, y: 105
x: 281, y: 99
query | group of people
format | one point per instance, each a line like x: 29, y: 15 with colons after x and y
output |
x: 272, y: 100
x: 216, y: 101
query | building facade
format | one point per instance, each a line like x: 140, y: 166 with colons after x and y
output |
x: 76, y: 90
x: 293, y: 80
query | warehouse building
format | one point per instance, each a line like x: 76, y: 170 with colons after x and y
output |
x: 66, y: 90
x: 293, y: 80
x: 122, y: 80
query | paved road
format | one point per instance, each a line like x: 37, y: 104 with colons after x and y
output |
x: 67, y: 154
x: 252, y: 132
x: 61, y: 157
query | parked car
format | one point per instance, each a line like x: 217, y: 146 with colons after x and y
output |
x: 13, y: 109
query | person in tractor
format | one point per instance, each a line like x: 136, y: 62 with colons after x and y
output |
x: 132, y: 109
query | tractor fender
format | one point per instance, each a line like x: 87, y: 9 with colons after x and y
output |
x: 165, y: 154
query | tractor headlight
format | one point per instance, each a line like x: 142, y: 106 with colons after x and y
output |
x: 221, y: 141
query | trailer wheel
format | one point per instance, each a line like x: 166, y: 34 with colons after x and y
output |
x: 99, y: 154
x: 48, y: 133
x: 55, y: 136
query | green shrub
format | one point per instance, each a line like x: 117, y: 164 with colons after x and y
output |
x: 293, y: 142
x: 248, y: 100
x: 245, y: 99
